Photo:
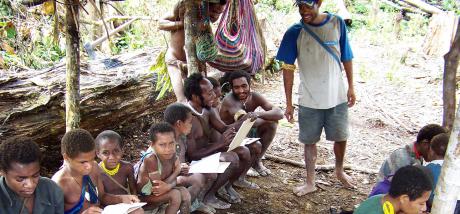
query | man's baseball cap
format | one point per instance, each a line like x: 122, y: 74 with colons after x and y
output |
x: 307, y: 2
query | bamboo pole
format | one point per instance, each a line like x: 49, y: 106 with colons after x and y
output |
x: 72, y: 96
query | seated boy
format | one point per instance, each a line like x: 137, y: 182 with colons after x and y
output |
x: 158, y: 171
x: 117, y: 175
x: 409, y: 191
x: 412, y: 154
x: 179, y: 116
x: 79, y: 177
x: 22, y: 189
x: 438, y: 148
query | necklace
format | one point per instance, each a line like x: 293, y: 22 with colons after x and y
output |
x: 194, y: 110
x: 110, y: 172
x: 388, y: 208
x: 245, y: 101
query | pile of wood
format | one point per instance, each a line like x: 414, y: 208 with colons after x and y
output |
x: 113, y: 91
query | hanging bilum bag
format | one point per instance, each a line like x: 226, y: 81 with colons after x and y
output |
x: 206, y: 48
x: 239, y: 39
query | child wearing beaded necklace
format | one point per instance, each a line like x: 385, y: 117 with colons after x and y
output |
x: 117, y: 175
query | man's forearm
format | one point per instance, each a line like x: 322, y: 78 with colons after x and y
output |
x: 348, y: 66
x: 168, y: 25
x: 272, y: 115
x: 288, y: 79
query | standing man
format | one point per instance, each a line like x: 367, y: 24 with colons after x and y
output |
x: 320, y: 45
x: 175, y: 55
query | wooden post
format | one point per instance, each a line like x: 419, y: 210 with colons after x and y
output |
x: 72, y: 96
x: 451, y: 59
x: 190, y: 30
x: 448, y: 186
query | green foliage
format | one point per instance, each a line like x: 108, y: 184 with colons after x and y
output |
x: 44, y: 53
x: 280, y: 5
x: 163, y: 83
x: 5, y: 8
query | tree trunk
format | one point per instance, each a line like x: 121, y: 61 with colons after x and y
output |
x: 190, y: 28
x: 449, y: 85
x: 113, y: 92
x: 72, y: 95
x: 448, y: 186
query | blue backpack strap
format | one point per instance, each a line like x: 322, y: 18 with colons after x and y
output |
x: 91, y: 189
x: 76, y: 209
x: 327, y: 48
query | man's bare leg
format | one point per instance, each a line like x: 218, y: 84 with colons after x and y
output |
x: 310, y: 154
x: 244, y: 163
x: 210, y: 197
x: 339, y: 151
x: 255, y: 150
x: 266, y: 131
x: 175, y: 75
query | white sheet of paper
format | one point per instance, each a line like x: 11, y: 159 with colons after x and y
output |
x: 241, y: 134
x: 209, y: 164
x: 122, y: 208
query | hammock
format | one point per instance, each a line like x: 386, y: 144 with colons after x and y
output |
x: 239, y: 39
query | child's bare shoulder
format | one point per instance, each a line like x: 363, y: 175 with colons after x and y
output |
x: 126, y: 166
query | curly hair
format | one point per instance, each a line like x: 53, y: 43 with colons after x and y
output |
x: 192, y: 85
x: 108, y: 135
x: 238, y: 74
x: 20, y: 150
x: 429, y: 131
x: 159, y: 128
x: 77, y: 141
x: 412, y: 181
x: 175, y: 112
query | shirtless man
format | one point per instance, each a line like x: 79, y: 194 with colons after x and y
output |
x: 175, y: 55
x: 80, y: 176
x: 200, y: 96
x: 242, y: 98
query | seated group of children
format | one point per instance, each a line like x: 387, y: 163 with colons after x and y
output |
x: 160, y: 178
x: 408, y: 177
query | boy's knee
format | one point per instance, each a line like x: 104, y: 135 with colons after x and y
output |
x: 185, y: 195
x: 175, y: 197
x: 199, y: 180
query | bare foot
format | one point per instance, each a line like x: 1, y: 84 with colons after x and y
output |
x: 346, y: 180
x: 206, y: 209
x: 252, y: 173
x: 243, y: 183
x: 304, y: 189
x: 261, y: 169
x: 236, y: 197
x: 216, y: 203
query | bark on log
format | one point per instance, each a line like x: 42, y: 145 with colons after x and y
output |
x: 448, y: 187
x: 451, y: 60
x: 72, y: 95
x: 32, y: 102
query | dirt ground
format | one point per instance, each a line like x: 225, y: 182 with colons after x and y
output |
x: 394, y: 100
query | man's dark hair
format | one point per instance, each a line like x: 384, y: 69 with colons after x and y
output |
x: 108, y: 135
x: 162, y: 128
x: 175, y: 112
x: 214, y: 82
x: 192, y: 85
x: 439, y: 144
x: 221, y: 2
x: 20, y: 150
x: 411, y: 181
x: 429, y: 131
x: 77, y: 141
x: 238, y: 74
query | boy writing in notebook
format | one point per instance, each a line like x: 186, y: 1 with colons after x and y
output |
x: 117, y: 175
x: 158, y: 171
x: 79, y: 177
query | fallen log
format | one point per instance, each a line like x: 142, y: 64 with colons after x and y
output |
x: 318, y: 167
x: 113, y: 92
